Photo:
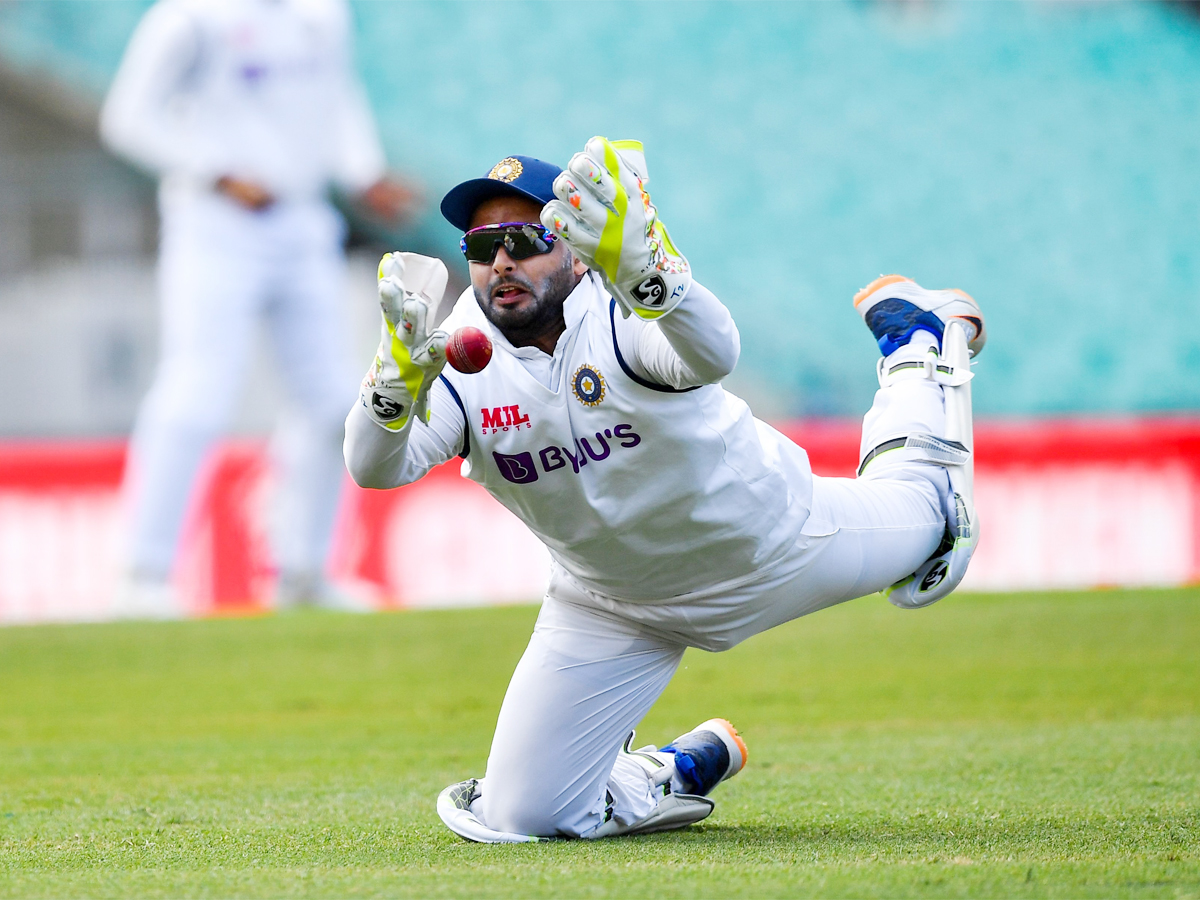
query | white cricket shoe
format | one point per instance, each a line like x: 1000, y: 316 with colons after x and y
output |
x: 682, y: 774
x: 710, y: 753
x: 307, y: 591
x: 894, y: 307
x: 141, y: 596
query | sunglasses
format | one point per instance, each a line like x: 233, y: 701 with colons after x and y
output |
x: 521, y: 240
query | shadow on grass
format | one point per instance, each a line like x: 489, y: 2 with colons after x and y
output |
x: 857, y: 840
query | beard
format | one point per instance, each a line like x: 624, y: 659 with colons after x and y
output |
x: 542, y: 315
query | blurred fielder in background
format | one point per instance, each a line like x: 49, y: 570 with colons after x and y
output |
x: 674, y: 518
x: 250, y: 113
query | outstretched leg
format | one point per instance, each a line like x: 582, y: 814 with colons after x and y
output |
x: 928, y: 337
x: 905, y: 525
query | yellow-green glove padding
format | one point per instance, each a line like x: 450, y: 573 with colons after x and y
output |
x: 604, y: 213
x: 412, y: 350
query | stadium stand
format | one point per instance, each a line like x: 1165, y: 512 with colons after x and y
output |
x: 1042, y: 156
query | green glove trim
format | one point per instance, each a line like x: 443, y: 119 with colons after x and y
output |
x: 410, y: 372
x: 608, y: 254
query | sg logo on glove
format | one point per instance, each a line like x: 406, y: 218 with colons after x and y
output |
x: 652, y: 292
x: 385, y: 408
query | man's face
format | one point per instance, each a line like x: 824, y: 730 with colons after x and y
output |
x: 523, y: 297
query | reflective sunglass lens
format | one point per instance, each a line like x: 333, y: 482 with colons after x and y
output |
x: 480, y: 248
x: 519, y: 242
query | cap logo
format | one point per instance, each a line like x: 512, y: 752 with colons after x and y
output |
x: 508, y: 169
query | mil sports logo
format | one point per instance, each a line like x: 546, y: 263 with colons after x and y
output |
x: 502, y: 418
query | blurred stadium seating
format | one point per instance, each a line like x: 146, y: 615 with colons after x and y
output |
x: 1042, y: 156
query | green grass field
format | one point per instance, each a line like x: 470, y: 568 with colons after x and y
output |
x: 1040, y: 745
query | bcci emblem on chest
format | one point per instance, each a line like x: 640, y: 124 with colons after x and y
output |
x: 588, y: 385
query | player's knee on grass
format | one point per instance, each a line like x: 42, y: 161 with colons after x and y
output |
x: 534, y: 787
x: 532, y: 805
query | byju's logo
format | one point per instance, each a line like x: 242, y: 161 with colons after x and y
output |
x: 517, y: 467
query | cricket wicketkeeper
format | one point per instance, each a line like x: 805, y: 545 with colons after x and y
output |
x: 674, y: 518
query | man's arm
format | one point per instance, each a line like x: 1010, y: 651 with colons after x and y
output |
x: 360, y: 165
x: 136, y: 120
x: 360, y: 158
x: 379, y: 458
x: 403, y: 401
x: 696, y: 344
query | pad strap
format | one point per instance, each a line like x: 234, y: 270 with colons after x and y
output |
x: 930, y: 366
x: 926, y: 448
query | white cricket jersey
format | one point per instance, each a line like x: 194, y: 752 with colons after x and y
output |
x: 257, y: 89
x: 640, y: 491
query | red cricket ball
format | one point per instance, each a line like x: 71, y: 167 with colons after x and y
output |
x: 469, y: 350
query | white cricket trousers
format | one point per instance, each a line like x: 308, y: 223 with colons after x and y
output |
x: 221, y: 271
x: 595, y: 665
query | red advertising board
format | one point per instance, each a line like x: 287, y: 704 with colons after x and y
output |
x: 1063, y: 503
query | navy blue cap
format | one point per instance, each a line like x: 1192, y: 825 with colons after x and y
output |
x: 513, y: 176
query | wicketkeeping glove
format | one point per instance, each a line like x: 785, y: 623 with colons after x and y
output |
x: 412, y: 350
x: 604, y: 214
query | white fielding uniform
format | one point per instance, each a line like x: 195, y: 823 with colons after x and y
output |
x: 674, y: 518
x: 260, y: 90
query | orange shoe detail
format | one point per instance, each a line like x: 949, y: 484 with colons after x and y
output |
x: 737, y: 739
x: 881, y: 281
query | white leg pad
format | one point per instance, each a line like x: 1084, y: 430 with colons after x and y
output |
x: 941, y: 574
x: 673, y: 811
